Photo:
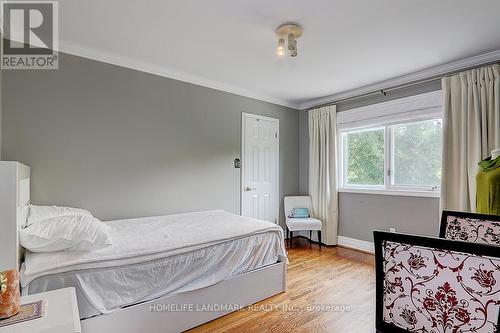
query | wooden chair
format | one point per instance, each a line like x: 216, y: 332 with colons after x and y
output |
x: 301, y: 224
x: 427, y: 284
x: 470, y: 227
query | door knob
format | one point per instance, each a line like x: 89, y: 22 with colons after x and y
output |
x: 248, y: 189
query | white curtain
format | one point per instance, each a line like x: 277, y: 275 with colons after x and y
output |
x: 322, y: 170
x: 471, y: 128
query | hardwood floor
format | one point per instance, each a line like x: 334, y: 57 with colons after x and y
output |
x: 326, y: 279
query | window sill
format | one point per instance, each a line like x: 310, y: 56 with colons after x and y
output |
x: 403, y: 193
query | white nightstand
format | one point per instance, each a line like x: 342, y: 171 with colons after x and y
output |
x: 61, y: 314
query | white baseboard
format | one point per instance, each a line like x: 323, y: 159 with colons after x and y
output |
x: 356, y: 244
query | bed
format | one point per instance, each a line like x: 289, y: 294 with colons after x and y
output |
x: 184, y: 270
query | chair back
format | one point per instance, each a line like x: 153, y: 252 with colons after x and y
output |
x: 470, y: 227
x: 297, y: 202
x: 427, y: 284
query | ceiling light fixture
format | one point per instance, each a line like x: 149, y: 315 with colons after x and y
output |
x: 290, y: 32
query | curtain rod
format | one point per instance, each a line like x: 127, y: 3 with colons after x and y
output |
x: 402, y: 86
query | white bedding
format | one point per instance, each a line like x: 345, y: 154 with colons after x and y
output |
x: 155, y: 256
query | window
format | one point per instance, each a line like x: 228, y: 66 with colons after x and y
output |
x: 394, y: 147
x: 364, y: 157
x: 416, y: 154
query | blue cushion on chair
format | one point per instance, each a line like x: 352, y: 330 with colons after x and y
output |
x: 300, y: 213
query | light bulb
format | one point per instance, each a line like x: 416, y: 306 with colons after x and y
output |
x: 280, y: 50
x: 293, y: 53
x: 291, y: 42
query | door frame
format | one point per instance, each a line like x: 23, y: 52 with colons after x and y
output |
x: 245, y: 115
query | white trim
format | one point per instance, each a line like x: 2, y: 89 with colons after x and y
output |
x: 430, y: 72
x: 243, y: 135
x: 356, y: 244
x: 67, y: 47
x: 70, y: 48
x: 404, y: 193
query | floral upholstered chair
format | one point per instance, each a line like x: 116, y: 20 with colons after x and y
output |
x: 433, y: 285
x: 470, y: 227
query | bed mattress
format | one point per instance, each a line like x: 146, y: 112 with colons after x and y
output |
x: 154, y: 257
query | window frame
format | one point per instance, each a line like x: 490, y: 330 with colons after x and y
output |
x: 408, y: 110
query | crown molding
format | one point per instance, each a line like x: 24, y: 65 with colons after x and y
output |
x: 427, y: 73
x: 69, y: 48
x: 436, y: 71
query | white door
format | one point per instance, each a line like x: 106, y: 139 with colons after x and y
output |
x: 259, y: 167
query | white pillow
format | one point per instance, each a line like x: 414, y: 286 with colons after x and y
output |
x: 70, y: 233
x: 40, y: 213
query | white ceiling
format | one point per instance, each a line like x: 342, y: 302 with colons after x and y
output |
x: 230, y: 44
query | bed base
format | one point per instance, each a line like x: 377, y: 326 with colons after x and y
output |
x: 244, y: 289
x: 180, y: 312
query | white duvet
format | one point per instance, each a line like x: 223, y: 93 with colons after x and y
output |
x: 190, y: 250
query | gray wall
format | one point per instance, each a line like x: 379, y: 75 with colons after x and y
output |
x: 360, y: 214
x: 124, y: 143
